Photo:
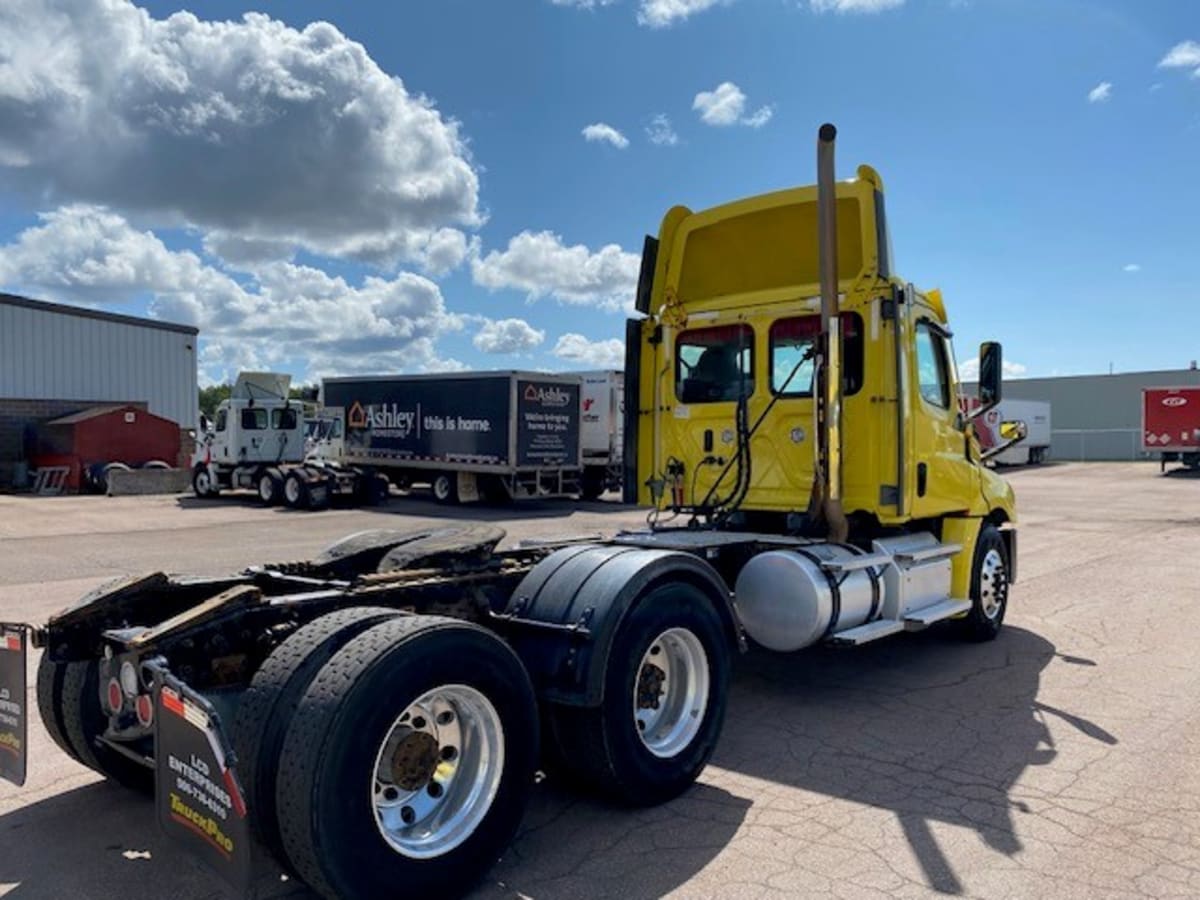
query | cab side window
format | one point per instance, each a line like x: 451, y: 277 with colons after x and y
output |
x: 933, y: 366
x: 284, y: 419
x: 793, y: 346
x: 222, y: 419
x: 254, y: 419
x: 714, y: 364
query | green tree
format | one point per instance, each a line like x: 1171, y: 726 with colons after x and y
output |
x: 211, y: 396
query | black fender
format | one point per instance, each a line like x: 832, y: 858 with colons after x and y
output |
x: 564, y: 614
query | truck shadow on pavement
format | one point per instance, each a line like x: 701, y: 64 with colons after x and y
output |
x: 927, y: 726
x: 101, y: 840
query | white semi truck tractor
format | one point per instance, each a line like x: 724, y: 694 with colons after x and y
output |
x: 256, y: 441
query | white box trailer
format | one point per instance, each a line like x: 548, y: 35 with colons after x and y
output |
x: 1035, y: 448
x: 602, y: 431
x: 470, y: 435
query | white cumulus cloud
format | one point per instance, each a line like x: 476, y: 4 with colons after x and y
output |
x: 1132, y: 267
x: 726, y: 105
x: 854, y: 6
x: 969, y: 370
x: 268, y: 136
x: 604, y: 133
x: 267, y: 313
x: 508, y: 336
x: 664, y: 13
x: 541, y: 265
x: 583, y: 4
x: 660, y: 131
x: 1184, y: 55
x: 1100, y: 93
x: 583, y: 353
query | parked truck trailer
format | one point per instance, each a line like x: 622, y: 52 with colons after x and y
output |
x: 1171, y: 425
x: 470, y: 435
x: 373, y: 717
x: 1034, y: 415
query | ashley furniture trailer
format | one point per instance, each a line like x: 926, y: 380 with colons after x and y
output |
x: 373, y: 717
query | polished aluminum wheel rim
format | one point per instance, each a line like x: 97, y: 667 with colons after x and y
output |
x: 993, y: 584
x: 671, y: 692
x: 437, y: 771
x: 265, y: 488
x: 203, y: 482
x: 291, y: 489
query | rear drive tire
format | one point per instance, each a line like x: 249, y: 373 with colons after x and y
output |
x: 989, y: 587
x: 49, y: 696
x: 295, y: 492
x: 658, y: 724
x: 83, y: 721
x: 368, y: 804
x: 445, y: 488
x: 592, y: 483
x: 269, y: 487
x: 265, y: 712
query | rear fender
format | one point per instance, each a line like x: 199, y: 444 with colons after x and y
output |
x: 563, y: 616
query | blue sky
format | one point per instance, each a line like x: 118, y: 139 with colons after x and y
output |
x: 279, y: 188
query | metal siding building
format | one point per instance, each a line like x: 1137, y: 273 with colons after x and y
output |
x: 1095, y: 417
x: 56, y: 360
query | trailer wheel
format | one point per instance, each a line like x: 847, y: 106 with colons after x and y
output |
x: 445, y: 488
x: 373, y: 489
x: 83, y: 721
x: 989, y: 587
x: 266, y: 708
x: 202, y: 482
x: 49, y: 696
x: 408, y: 764
x: 592, y: 483
x: 269, y: 486
x: 295, y: 491
x: 663, y: 705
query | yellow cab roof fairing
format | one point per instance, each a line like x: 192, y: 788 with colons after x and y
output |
x: 767, y: 243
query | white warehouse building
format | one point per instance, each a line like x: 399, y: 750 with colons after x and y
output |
x: 56, y: 360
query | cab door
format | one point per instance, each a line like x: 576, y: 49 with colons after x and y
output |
x: 942, y: 478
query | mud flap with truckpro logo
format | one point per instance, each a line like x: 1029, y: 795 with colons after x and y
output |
x: 198, y: 797
x: 14, y: 721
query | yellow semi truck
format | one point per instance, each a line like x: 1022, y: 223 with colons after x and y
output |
x: 373, y: 718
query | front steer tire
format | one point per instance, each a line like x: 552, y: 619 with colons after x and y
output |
x: 266, y: 709
x: 989, y: 587
x: 325, y: 798
x: 602, y: 747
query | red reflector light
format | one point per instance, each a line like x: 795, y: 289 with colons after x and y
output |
x: 145, y: 710
x: 116, y: 699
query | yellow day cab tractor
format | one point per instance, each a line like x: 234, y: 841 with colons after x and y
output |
x: 373, y: 716
x: 785, y: 381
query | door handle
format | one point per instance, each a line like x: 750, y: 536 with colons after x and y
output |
x: 922, y: 478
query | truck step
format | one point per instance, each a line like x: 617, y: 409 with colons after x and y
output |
x: 872, y: 631
x: 935, y: 612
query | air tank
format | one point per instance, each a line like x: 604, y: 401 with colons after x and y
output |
x: 788, y: 600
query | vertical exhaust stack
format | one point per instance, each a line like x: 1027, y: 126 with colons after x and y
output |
x: 827, y: 487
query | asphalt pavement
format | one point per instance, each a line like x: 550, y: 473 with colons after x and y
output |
x: 1062, y: 759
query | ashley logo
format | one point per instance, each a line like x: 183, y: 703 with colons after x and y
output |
x: 546, y: 396
x: 382, y: 417
x: 357, y: 417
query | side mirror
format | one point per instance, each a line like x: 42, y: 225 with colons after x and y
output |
x: 991, y: 368
x: 203, y: 423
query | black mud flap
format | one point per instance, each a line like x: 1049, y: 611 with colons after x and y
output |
x: 14, y: 718
x: 197, y: 793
